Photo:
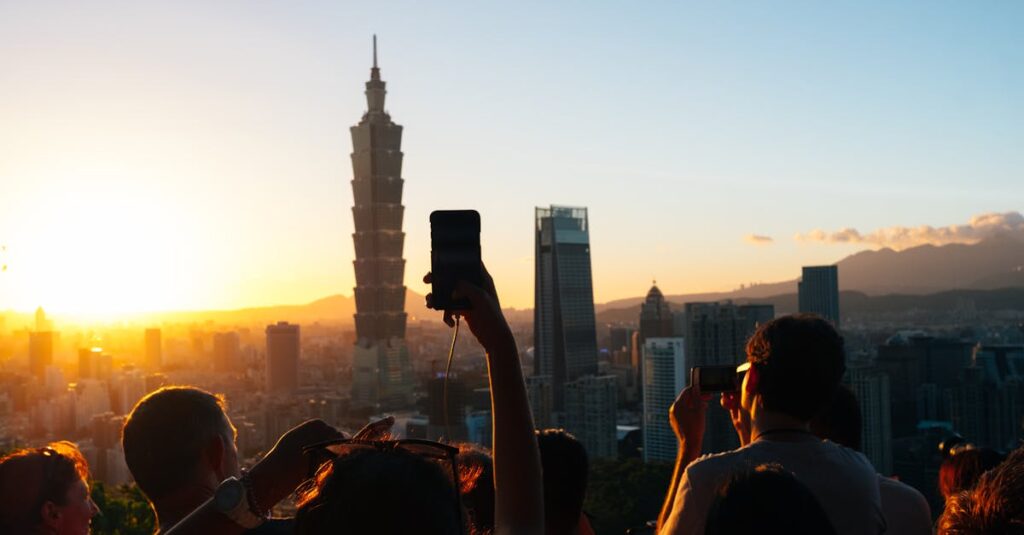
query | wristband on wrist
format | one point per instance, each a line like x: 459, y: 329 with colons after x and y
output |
x: 254, y: 504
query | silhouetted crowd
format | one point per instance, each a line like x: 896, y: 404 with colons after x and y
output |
x: 798, y: 470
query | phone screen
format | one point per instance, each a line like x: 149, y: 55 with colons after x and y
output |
x: 454, y: 255
x: 716, y: 378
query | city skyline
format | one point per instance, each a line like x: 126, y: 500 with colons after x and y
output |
x: 140, y: 178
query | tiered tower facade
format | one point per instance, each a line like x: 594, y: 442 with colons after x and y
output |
x: 382, y: 375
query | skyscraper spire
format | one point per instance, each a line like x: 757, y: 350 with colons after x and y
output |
x: 375, y: 91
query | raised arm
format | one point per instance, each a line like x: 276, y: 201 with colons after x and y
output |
x: 518, y: 486
x: 270, y: 481
x: 686, y: 416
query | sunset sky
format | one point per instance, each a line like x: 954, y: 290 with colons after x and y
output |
x: 194, y: 154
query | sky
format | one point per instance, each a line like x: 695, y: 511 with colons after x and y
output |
x: 193, y: 154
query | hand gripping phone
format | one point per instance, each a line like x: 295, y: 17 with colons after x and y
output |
x: 454, y: 255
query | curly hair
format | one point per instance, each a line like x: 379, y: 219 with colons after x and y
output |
x: 994, y: 505
x: 961, y: 470
x: 33, y: 476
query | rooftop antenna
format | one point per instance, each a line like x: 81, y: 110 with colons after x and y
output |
x: 374, y: 51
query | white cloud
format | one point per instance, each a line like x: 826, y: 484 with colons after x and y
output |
x: 978, y: 228
x: 757, y: 239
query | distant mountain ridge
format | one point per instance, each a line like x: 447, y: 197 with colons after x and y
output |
x: 994, y: 263
x: 997, y: 262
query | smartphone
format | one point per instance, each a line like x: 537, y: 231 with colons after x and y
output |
x: 454, y: 255
x: 715, y: 378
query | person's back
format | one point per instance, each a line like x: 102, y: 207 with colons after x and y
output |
x: 905, y: 509
x: 794, y: 366
x: 842, y: 480
x: 766, y: 500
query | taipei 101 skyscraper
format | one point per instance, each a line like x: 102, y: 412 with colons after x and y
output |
x: 382, y: 376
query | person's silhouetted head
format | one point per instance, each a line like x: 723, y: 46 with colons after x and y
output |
x: 993, y: 505
x: 565, y: 465
x: 45, y: 490
x: 766, y: 500
x: 797, y: 362
x: 840, y: 421
x: 177, y: 439
x: 964, y: 467
x: 477, y: 486
x: 382, y: 492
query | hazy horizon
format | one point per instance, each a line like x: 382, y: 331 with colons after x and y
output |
x: 194, y: 156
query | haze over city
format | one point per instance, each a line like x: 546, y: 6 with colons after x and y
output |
x: 205, y: 166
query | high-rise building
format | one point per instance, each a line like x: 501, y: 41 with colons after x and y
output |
x: 42, y: 322
x: 382, y: 374
x: 93, y: 363
x: 446, y: 417
x: 565, y: 336
x: 819, y: 292
x: 918, y: 364
x: 656, y: 321
x: 227, y: 352
x: 656, y: 318
x: 40, y: 353
x: 127, y: 388
x: 283, y: 343
x: 590, y: 406
x: 987, y: 406
x: 620, y: 337
x: 664, y: 377
x: 539, y: 389
x: 154, y: 350
x: 716, y: 335
x: 871, y: 386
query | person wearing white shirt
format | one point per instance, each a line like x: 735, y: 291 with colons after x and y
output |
x: 794, y: 366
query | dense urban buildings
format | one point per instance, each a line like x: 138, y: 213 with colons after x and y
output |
x: 283, y: 347
x: 818, y: 292
x: 872, y: 388
x: 590, y: 403
x: 227, y: 356
x: 664, y: 377
x: 382, y: 375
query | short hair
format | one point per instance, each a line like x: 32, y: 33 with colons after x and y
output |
x: 565, y: 466
x: 33, y: 476
x: 841, y: 420
x: 382, y: 492
x: 800, y: 360
x: 166, y: 433
x: 964, y: 467
x: 994, y: 505
x: 765, y: 499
